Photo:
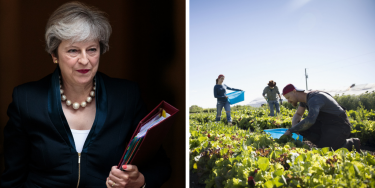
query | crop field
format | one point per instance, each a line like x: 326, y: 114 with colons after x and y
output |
x: 243, y: 155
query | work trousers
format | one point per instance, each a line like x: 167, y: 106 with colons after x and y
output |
x: 277, y: 106
x: 219, y: 108
x: 329, y: 130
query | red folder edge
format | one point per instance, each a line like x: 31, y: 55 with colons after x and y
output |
x: 154, y: 136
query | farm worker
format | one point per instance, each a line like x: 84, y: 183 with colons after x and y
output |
x: 326, y: 125
x: 222, y: 98
x: 271, y: 90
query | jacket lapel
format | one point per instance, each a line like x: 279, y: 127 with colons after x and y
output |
x: 55, y: 110
x: 101, y: 111
x: 58, y: 118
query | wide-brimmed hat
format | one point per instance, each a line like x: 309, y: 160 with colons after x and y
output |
x: 290, y: 87
x: 271, y: 83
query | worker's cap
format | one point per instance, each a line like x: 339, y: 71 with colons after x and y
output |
x: 290, y: 87
x: 220, y: 76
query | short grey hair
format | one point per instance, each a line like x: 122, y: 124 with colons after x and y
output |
x: 77, y: 22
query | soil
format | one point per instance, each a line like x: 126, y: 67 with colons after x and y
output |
x: 310, y: 144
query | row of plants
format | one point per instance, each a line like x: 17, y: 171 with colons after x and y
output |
x: 350, y: 102
x: 254, y: 119
x: 225, y: 156
x: 198, y: 109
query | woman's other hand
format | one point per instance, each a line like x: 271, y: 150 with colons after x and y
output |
x: 129, y: 178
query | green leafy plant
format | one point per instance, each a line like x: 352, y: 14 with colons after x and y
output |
x: 244, y: 156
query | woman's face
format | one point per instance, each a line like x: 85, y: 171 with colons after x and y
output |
x: 78, y: 61
x: 221, y: 79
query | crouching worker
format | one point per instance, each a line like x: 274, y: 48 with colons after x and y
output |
x: 326, y: 125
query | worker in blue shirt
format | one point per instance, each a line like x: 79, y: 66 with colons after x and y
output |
x: 222, y: 98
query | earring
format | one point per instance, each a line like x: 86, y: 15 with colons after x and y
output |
x: 55, y: 61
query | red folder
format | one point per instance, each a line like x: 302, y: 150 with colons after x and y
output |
x: 154, y: 137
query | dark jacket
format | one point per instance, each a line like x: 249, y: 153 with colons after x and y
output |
x: 220, y: 92
x: 39, y: 149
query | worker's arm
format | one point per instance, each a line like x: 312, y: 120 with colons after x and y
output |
x: 314, y: 104
x: 233, y: 89
x: 298, y: 115
x: 277, y: 91
x: 265, y: 97
x: 264, y: 93
x: 308, y: 121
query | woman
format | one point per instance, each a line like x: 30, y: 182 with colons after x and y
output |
x: 70, y: 128
x: 222, y: 99
x: 271, y: 90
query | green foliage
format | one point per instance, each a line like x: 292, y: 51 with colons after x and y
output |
x: 195, y: 109
x: 227, y: 156
x: 209, y: 110
x: 256, y: 119
x: 288, y: 105
x: 352, y: 102
x: 291, y: 142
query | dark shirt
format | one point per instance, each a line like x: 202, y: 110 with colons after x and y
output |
x: 220, y: 92
x: 316, y: 102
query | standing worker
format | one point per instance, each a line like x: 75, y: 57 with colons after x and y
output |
x: 327, y: 124
x: 271, y: 90
x: 222, y: 98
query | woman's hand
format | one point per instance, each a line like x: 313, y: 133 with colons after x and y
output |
x: 129, y: 178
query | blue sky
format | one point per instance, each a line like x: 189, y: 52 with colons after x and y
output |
x: 254, y: 41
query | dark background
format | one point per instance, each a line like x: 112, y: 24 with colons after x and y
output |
x: 147, y: 46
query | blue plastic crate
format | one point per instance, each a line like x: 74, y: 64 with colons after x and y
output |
x: 236, y: 97
x: 277, y: 133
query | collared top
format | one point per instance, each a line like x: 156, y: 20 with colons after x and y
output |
x: 271, y: 93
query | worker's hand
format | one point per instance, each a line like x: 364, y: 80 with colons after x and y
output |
x: 226, y: 96
x: 288, y: 133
